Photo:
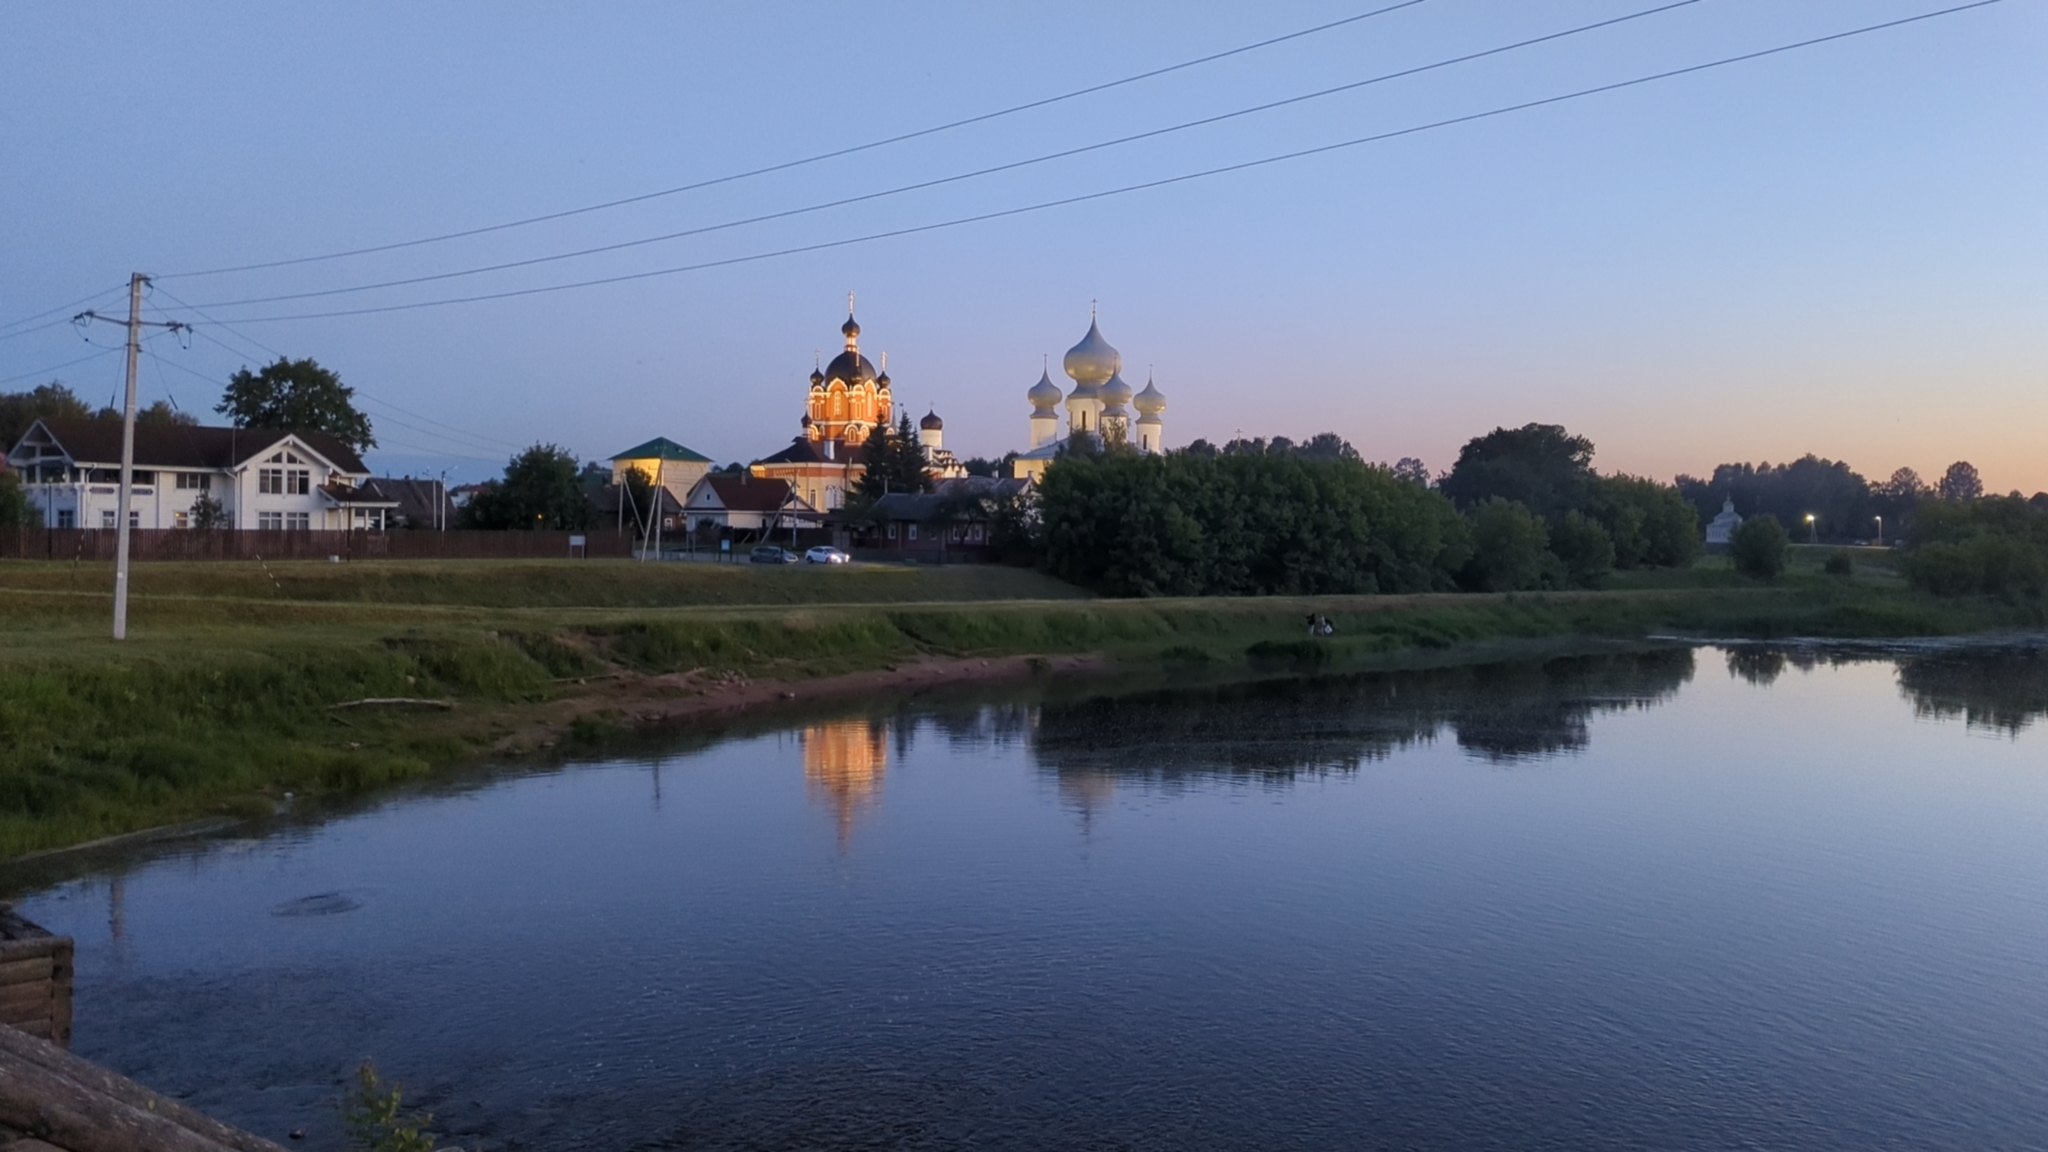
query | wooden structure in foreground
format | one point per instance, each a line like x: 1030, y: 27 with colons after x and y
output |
x: 35, y: 979
x: 53, y: 1101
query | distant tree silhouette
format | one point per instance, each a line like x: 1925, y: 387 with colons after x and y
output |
x: 1960, y: 482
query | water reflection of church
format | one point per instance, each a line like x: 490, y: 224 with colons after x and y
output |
x: 843, y: 765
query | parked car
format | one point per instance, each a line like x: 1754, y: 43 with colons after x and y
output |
x: 772, y: 554
x: 826, y: 554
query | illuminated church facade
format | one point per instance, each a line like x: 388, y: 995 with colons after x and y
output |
x: 848, y: 399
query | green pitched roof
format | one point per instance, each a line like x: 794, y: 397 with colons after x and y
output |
x: 663, y: 448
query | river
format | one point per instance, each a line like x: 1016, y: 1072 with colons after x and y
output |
x: 1688, y: 898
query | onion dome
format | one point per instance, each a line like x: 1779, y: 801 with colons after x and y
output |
x: 817, y: 378
x: 1116, y: 393
x: 931, y: 422
x: 1092, y: 362
x: 1151, y: 402
x: 1045, y: 395
x: 882, y: 380
x: 807, y: 420
x: 851, y: 329
x: 851, y: 367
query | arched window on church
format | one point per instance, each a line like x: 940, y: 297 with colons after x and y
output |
x: 834, y: 496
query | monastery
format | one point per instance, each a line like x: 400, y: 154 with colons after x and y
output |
x: 849, y: 398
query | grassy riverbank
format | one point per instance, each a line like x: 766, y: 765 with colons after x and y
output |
x: 225, y: 695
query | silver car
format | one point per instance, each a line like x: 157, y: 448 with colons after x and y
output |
x: 825, y: 554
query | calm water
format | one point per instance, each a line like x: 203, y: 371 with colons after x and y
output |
x: 1674, y: 900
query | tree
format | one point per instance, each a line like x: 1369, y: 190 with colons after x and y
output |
x: 1540, y: 466
x: 52, y: 401
x: 16, y: 510
x: 1584, y: 548
x: 1413, y: 470
x: 540, y: 491
x: 1833, y: 493
x: 1758, y: 546
x: 1651, y: 524
x: 296, y: 396
x: 1510, y: 549
x: 1960, y: 482
x: 641, y: 500
x: 208, y: 513
x: 892, y: 461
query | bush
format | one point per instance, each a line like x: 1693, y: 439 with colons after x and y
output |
x: 1758, y: 546
x: 1839, y: 563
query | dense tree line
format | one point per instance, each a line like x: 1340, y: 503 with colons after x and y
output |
x: 1844, y: 505
x: 53, y: 401
x: 1993, y: 546
x: 1243, y: 523
x: 1542, y: 517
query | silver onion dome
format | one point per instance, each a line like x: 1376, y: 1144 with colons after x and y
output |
x: 1150, y: 402
x: 1045, y: 395
x: 1093, y: 361
x: 1116, y: 393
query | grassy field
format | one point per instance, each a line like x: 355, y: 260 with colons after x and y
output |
x: 223, y: 696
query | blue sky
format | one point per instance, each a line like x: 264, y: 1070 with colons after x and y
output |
x: 1841, y: 250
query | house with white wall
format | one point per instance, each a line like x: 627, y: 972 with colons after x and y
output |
x: 263, y: 480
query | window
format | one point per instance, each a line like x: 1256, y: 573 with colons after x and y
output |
x: 270, y: 481
x: 270, y: 521
x: 298, y: 521
x: 66, y: 518
x: 913, y: 531
x: 181, y: 519
x: 298, y: 481
x: 107, y: 518
x: 892, y: 531
x: 835, y: 497
x: 194, y: 481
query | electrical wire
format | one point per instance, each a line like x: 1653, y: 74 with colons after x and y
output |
x: 488, y: 442
x: 103, y: 351
x: 47, y: 324
x: 65, y: 307
x: 1129, y: 188
x: 819, y: 158
x: 958, y: 177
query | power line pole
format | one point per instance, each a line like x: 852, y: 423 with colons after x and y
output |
x: 126, y: 499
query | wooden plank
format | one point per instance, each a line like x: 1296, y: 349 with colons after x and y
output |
x: 17, y: 1050
x: 43, y: 1104
x: 25, y: 1002
x: 60, y: 992
x: 33, y: 968
x: 24, y: 949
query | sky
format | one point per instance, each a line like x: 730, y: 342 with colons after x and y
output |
x: 1841, y: 249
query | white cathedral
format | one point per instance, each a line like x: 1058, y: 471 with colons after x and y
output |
x: 1098, y: 409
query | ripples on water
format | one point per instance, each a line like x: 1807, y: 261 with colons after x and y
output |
x: 1598, y: 902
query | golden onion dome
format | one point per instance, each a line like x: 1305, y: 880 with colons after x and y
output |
x: 1116, y: 393
x: 1093, y: 361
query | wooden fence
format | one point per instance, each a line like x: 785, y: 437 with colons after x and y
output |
x: 186, y: 544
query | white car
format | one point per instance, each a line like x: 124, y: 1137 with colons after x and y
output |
x: 824, y: 554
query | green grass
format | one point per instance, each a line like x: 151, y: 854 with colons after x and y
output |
x: 221, y: 699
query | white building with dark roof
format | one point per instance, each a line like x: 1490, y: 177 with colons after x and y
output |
x: 261, y: 479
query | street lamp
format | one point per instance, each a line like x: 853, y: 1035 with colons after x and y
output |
x: 1880, y: 531
x: 1812, y: 532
